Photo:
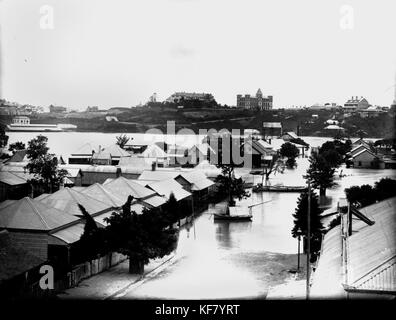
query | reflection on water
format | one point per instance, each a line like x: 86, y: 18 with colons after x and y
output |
x: 224, y: 259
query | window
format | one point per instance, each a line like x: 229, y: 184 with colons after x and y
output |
x: 360, y: 163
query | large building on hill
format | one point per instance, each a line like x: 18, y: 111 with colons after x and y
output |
x: 258, y: 102
x: 356, y: 104
x: 178, y: 97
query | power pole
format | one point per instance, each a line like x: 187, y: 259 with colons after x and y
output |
x: 308, y: 238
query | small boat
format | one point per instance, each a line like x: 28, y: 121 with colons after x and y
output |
x: 232, y: 215
x: 261, y: 188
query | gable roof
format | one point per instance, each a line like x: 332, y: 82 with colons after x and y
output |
x: 364, y: 150
x: 198, y: 180
x: 166, y: 187
x: 85, y: 149
x: 116, y: 151
x: 154, y: 151
x: 102, y: 155
x: 372, y: 249
x: 293, y: 135
x: 203, y: 148
x: 14, y: 259
x: 122, y: 188
x: 99, y: 192
x: 67, y: 200
x: 11, y: 179
x: 18, y: 156
x: 158, y: 175
x: 31, y: 214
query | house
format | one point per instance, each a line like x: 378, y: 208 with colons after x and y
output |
x: 199, y: 152
x: 153, y: 151
x: 83, y: 155
x: 101, y: 158
x: 288, y: 136
x: 74, y: 174
x: 98, y: 174
x: 19, y: 270
x: 100, y: 192
x: 67, y: 201
x: 123, y: 188
x: 365, y: 159
x: 259, y: 150
x: 159, y: 175
x: 358, y: 257
x: 13, y: 186
x: 116, y: 153
x: 272, y: 129
x: 164, y: 188
x: 357, y: 149
x: 371, y: 112
x: 356, y: 104
x: 29, y: 222
x: 197, y: 184
x: 359, y: 142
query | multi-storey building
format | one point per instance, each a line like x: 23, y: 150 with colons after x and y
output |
x: 356, y: 104
x: 258, y: 102
x: 180, y: 96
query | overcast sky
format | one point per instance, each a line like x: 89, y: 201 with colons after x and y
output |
x: 117, y: 53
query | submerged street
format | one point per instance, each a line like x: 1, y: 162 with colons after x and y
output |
x: 241, y: 259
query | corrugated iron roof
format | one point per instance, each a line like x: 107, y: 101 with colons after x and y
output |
x: 154, y: 201
x: 70, y: 234
x: 99, y: 192
x: 198, y: 180
x: 159, y: 175
x: 370, y: 247
x: 31, y: 214
x: 116, y: 151
x: 14, y: 259
x: 11, y: 179
x: 166, y: 187
x: 122, y: 188
x: 67, y: 200
x: 327, y: 278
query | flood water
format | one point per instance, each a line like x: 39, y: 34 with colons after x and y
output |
x: 225, y: 259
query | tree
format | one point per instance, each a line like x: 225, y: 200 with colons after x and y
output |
x: 230, y: 186
x: 142, y: 237
x: 289, y: 151
x: 172, y: 209
x: 361, y: 196
x: 301, y: 222
x: 43, y: 165
x: 320, y: 173
x: 385, y: 188
x: 335, y: 151
x: 122, y: 140
x: 13, y: 147
x: 276, y: 164
x: 3, y: 138
x: 94, y: 240
x: 364, y: 195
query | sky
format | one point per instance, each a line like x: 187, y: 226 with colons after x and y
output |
x: 119, y: 52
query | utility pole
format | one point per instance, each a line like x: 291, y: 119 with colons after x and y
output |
x: 308, y: 238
